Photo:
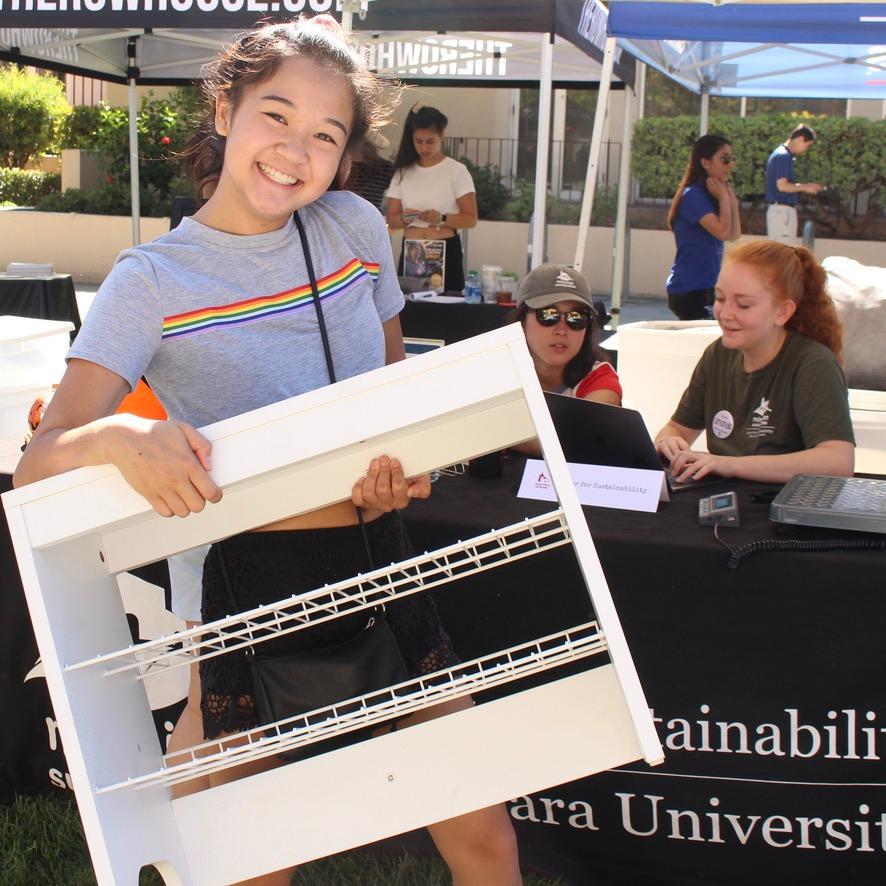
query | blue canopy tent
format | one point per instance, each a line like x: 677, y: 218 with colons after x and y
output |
x: 760, y: 49
x: 794, y: 49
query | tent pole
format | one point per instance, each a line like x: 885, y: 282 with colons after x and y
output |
x: 133, y: 162
x: 705, y: 107
x: 587, y: 200
x: 545, y: 87
x: 621, y: 214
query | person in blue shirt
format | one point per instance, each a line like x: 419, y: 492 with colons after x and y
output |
x: 703, y: 214
x: 782, y: 186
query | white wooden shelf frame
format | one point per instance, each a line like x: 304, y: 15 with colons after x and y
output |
x: 73, y: 533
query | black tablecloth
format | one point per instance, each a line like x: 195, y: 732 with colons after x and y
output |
x: 47, y: 298
x: 451, y: 322
x: 766, y: 683
x: 745, y: 670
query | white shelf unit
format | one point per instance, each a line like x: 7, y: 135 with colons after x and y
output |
x: 72, y: 534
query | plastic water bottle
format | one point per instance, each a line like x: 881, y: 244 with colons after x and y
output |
x: 473, y: 292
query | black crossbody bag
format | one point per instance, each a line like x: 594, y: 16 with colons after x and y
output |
x: 297, y: 682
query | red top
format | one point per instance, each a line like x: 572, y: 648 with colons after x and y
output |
x: 601, y: 378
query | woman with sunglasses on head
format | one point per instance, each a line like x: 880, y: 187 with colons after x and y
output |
x: 431, y: 195
x: 703, y: 214
x: 555, y: 309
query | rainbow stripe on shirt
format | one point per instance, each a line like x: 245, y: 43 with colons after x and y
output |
x: 246, y: 311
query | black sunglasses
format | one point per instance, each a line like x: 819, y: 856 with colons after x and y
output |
x: 575, y: 319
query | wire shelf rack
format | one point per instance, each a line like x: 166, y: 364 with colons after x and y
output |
x: 295, y: 733
x: 366, y: 591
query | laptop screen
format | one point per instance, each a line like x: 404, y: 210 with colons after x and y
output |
x: 598, y: 434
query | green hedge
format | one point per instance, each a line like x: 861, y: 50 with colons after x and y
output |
x: 32, y: 112
x: 26, y: 187
x: 849, y: 157
x: 111, y: 199
x: 492, y: 195
x: 561, y: 212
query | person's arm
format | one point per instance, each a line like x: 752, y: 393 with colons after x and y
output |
x: 466, y: 217
x: 674, y: 439
x: 394, y: 347
x: 722, y: 223
x: 601, y: 385
x: 164, y: 461
x: 603, y: 395
x: 394, y: 215
x: 831, y: 457
x: 789, y: 187
x: 735, y: 231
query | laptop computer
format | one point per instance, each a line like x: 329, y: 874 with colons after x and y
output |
x: 598, y: 434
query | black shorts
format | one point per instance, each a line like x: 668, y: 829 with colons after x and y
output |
x: 264, y: 567
x: 695, y: 305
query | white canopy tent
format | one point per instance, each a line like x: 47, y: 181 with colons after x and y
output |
x: 507, y: 42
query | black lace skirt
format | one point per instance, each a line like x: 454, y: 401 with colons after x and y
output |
x: 267, y: 566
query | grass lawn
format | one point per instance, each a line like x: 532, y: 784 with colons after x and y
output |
x: 42, y: 844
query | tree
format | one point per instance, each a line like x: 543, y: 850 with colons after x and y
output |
x: 32, y: 111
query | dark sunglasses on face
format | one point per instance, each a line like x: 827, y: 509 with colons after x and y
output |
x: 575, y: 320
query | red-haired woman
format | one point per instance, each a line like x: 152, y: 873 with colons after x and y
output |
x: 770, y: 393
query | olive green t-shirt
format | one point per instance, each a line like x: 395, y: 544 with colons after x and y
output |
x: 797, y: 401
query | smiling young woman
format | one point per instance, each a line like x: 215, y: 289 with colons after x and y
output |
x: 214, y: 315
x: 770, y: 393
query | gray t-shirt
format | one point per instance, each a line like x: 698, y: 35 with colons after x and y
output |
x: 221, y: 324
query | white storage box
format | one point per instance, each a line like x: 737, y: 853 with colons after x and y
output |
x: 32, y: 360
x: 655, y: 362
x: 868, y: 412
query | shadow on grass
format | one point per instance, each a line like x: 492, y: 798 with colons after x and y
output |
x: 42, y: 842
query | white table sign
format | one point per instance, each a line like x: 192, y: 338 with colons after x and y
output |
x: 631, y: 489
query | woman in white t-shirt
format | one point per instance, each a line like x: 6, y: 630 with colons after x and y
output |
x: 431, y: 195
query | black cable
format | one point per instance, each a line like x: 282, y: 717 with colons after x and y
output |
x: 803, y: 545
x: 717, y: 536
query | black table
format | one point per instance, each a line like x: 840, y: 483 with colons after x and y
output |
x: 762, y: 681
x: 766, y: 683
x: 46, y: 298
x: 451, y: 322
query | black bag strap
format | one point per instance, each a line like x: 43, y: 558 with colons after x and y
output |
x: 327, y: 352
x: 317, y: 306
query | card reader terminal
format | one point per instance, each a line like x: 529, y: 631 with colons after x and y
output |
x: 721, y: 509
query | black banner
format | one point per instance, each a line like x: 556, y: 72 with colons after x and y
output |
x: 31, y: 754
x: 766, y: 685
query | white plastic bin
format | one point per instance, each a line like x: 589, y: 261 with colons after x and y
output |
x: 32, y: 360
x: 868, y: 412
x: 655, y: 362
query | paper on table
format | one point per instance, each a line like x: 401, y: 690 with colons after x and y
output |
x: 631, y: 489
x: 440, y: 299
